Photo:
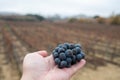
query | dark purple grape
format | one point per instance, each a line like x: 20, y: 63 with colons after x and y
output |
x: 83, y: 55
x: 74, y: 59
x: 61, y: 50
x: 60, y: 45
x: 69, y: 60
x: 79, y: 57
x: 55, y: 54
x: 64, y: 47
x: 57, y: 60
x: 78, y: 45
x: 67, y: 45
x: 56, y: 49
x: 62, y: 56
x: 78, y: 50
x: 68, y: 53
x: 68, y: 65
x: 74, y: 51
x: 53, y: 51
x: 63, y: 64
x: 71, y: 46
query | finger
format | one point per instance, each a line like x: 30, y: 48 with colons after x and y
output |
x: 76, y: 67
x: 42, y: 53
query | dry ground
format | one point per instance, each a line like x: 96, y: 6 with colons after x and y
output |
x: 108, y: 72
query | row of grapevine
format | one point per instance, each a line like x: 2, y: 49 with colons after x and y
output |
x: 47, y: 36
x: 11, y: 56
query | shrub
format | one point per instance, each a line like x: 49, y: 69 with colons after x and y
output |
x: 82, y: 20
x: 95, y: 17
x: 115, y: 20
x: 72, y: 20
x: 101, y: 20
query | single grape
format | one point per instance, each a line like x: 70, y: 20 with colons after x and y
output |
x: 79, y: 57
x: 57, y: 60
x: 71, y: 46
x: 62, y: 56
x: 67, y: 45
x: 68, y: 53
x: 69, y: 60
x: 74, y: 59
x: 78, y: 50
x: 61, y: 50
x: 74, y: 51
x: 63, y: 64
x: 82, y: 54
x: 78, y: 45
x: 64, y: 47
x: 56, y: 49
x: 68, y: 65
x: 55, y: 54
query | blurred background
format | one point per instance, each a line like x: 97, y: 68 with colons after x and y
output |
x: 31, y: 25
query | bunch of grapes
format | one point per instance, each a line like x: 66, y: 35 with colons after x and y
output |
x: 67, y: 54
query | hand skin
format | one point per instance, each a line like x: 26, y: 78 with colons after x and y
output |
x: 39, y: 66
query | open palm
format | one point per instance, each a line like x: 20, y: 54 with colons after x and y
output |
x: 39, y: 66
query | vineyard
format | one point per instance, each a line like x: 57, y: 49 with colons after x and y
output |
x: 100, y: 42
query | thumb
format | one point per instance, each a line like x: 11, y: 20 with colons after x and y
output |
x: 43, y: 53
x: 73, y: 69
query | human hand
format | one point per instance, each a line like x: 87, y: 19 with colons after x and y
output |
x: 39, y: 66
